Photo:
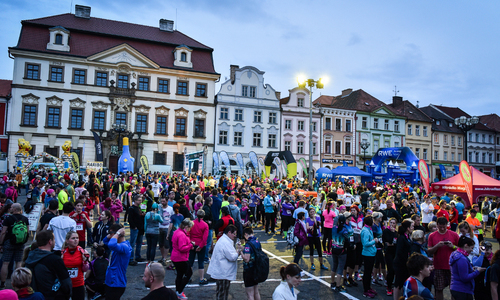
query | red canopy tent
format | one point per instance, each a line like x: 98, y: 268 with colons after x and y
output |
x: 482, y: 185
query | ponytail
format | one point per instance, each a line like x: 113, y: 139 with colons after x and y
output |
x: 291, y: 269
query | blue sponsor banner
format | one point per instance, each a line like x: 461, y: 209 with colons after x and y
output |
x: 225, y: 159
x: 239, y: 159
x: 457, y: 170
x: 216, y: 160
x: 253, y: 159
x: 443, y: 171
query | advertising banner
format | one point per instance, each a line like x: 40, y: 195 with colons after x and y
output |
x: 144, y: 164
x: 284, y: 168
x: 302, y: 162
x: 75, y: 163
x: 225, y: 159
x: 443, y: 171
x: 215, y: 156
x: 424, y: 174
x: 466, y: 175
x: 98, y: 147
x: 261, y: 165
x: 239, y: 159
x: 94, y: 166
x: 254, y: 160
x: 457, y: 169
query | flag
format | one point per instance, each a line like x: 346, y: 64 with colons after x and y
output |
x: 144, y: 164
x: 98, y: 147
x: 466, y: 175
x: 424, y: 174
x: 239, y: 159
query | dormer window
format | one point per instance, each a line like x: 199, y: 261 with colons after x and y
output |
x: 182, y: 56
x: 59, y: 39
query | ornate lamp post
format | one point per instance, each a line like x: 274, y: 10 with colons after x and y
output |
x: 120, y: 129
x: 364, y: 145
x: 310, y: 83
x: 465, y: 124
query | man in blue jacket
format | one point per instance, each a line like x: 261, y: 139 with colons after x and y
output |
x: 116, y: 275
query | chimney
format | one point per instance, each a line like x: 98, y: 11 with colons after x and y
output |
x: 346, y: 92
x: 278, y: 95
x: 166, y: 25
x: 82, y: 11
x: 233, y: 69
x: 397, y: 100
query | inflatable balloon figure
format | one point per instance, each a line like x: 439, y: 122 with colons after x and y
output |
x: 126, y: 161
x: 66, y: 148
x: 24, y: 147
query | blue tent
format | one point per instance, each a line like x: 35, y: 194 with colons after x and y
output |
x: 324, y: 173
x: 351, y: 171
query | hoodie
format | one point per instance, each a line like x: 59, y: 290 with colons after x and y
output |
x: 47, y: 268
x: 462, y: 274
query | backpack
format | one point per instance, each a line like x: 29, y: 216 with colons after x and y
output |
x: 261, y: 264
x: 19, y: 232
x: 291, y: 239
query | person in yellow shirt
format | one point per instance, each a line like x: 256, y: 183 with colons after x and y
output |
x: 62, y: 197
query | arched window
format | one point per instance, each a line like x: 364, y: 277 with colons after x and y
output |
x: 183, y: 56
x: 59, y: 39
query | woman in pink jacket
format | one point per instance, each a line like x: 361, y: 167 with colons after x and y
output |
x: 114, y: 205
x: 199, y: 235
x: 180, y: 256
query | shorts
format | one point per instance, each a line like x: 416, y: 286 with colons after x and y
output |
x: 12, y: 252
x: 248, y: 278
x: 485, y: 218
x: 162, y: 237
x: 338, y: 262
x: 442, y: 279
x: 379, y: 260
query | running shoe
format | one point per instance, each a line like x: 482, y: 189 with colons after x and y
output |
x: 358, y: 277
x: 139, y: 259
x: 333, y: 286
x: 132, y: 263
x: 380, y: 277
x: 96, y: 296
x: 365, y: 294
x: 181, y: 296
x: 353, y: 282
x: 323, y: 267
x: 347, y: 283
x: 313, y: 267
x: 204, y: 281
x: 373, y: 291
x: 162, y: 262
x: 341, y: 288
x: 389, y: 292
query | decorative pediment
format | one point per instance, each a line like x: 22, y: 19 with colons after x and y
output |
x: 272, y: 130
x: 77, y: 103
x: 382, y: 111
x: 30, y: 99
x: 100, y: 105
x: 142, y: 109
x: 224, y: 126
x: 288, y: 135
x: 258, y: 129
x: 200, y: 114
x: 181, y: 112
x: 162, y: 110
x: 238, y: 127
x: 301, y: 136
x: 54, y: 101
x: 124, y: 53
x: 122, y: 104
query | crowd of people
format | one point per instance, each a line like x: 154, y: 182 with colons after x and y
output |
x: 392, y: 234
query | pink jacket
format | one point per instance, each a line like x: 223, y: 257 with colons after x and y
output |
x: 115, y: 209
x: 199, y: 233
x: 181, y: 246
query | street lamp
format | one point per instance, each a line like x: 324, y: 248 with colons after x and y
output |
x: 465, y: 124
x: 364, y: 145
x: 120, y: 129
x: 303, y: 82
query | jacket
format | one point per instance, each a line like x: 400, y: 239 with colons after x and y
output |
x: 199, y: 233
x: 284, y: 292
x: 115, y: 209
x: 462, y: 274
x: 100, y: 231
x: 152, y: 222
x: 181, y: 246
x: 300, y: 232
x: 208, y: 217
x: 268, y: 205
x: 116, y: 274
x: 224, y: 262
x: 368, y: 242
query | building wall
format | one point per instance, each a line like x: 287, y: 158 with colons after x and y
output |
x: 418, y: 136
x: 447, y: 149
x: 330, y: 158
x: 481, y: 150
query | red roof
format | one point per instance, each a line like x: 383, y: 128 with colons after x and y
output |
x: 5, y: 87
x: 456, y: 112
x: 491, y: 121
x: 94, y: 35
x: 358, y: 100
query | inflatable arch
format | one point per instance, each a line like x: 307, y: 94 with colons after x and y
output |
x: 410, y: 174
x: 286, y: 156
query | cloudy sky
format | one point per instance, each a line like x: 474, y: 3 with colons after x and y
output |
x: 435, y: 52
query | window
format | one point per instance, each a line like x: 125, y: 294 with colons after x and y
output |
x: 460, y: 141
x: 417, y: 152
x: 121, y: 118
x: 159, y: 158
x: 417, y: 130
x: 101, y: 79
x: 436, y: 138
x: 183, y: 56
x: 300, y: 147
x: 424, y: 153
x: 328, y: 124
x: 271, y: 141
x: 436, y: 155
x: 477, y: 137
x: 409, y: 129
x: 484, y: 138
x: 238, y: 137
x: 223, y: 137
x: 490, y: 139
x: 180, y: 126
x: 79, y: 76
x: 338, y: 147
x: 257, y: 116
x: 483, y: 156
x: 375, y: 144
x: 32, y: 71
x: 470, y: 137
x: 59, y: 39
x: 445, y: 138
x: 490, y: 158
x: 76, y: 119
x: 53, y: 117
x: 29, y: 115
x: 238, y: 114
x: 328, y: 147
x: 314, y: 126
x: 477, y: 157
x: 425, y: 130
x: 122, y: 81
x: 438, y: 122
x: 348, y: 125
x: 272, y: 118
x: 161, y: 125
x: 396, y: 126
x: 453, y: 140
x: 386, y: 144
x: 244, y: 90
x: 252, y: 91
x: 143, y: 84
x: 163, y: 85
x: 288, y: 124
x: 199, y: 128
x: 201, y: 90
x: 338, y: 124
x: 470, y: 156
x: 56, y: 74
x: 375, y: 123
x: 452, y: 156
x: 300, y: 125
x: 256, y: 139
x: 445, y: 155
x: 314, y: 149
x: 300, y: 102
x: 99, y: 120
x: 347, y: 148
x: 459, y: 156
x: 178, y: 162
x: 54, y: 151
x: 182, y: 88
x: 288, y: 146
x: 386, y: 124
x: 396, y: 144
x: 224, y: 113
x: 141, y: 125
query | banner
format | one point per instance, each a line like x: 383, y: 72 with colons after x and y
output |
x: 302, y: 162
x: 75, y: 162
x: 225, y: 159
x: 94, y: 166
x: 284, y: 167
x: 239, y: 159
x: 443, y: 171
x: 144, y: 164
x: 261, y: 165
x: 277, y: 163
x: 457, y: 169
x: 424, y: 174
x: 254, y: 160
x: 466, y: 175
x: 215, y: 156
x: 98, y: 147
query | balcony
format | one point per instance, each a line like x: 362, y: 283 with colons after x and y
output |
x: 122, y: 92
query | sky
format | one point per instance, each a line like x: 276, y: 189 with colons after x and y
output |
x: 434, y: 52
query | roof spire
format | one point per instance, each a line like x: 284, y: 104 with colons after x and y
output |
x: 395, y: 91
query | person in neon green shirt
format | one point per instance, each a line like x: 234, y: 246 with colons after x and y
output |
x: 62, y: 197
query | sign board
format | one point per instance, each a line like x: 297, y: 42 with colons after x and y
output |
x: 34, y: 216
x: 336, y: 161
x: 95, y: 166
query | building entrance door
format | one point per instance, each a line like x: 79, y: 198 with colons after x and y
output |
x: 113, y: 164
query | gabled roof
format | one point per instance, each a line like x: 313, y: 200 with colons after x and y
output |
x: 407, y: 109
x: 284, y: 101
x: 358, y: 100
x: 5, y: 88
x: 91, y: 36
x: 492, y: 121
x: 444, y: 119
x: 455, y: 112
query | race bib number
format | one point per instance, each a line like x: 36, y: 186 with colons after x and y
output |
x: 351, y: 239
x: 394, y: 241
x: 143, y: 206
x: 288, y: 212
x: 476, y: 232
x: 79, y: 227
x: 73, y: 272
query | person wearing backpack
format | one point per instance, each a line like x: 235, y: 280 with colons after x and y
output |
x: 13, y: 237
x: 250, y: 251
